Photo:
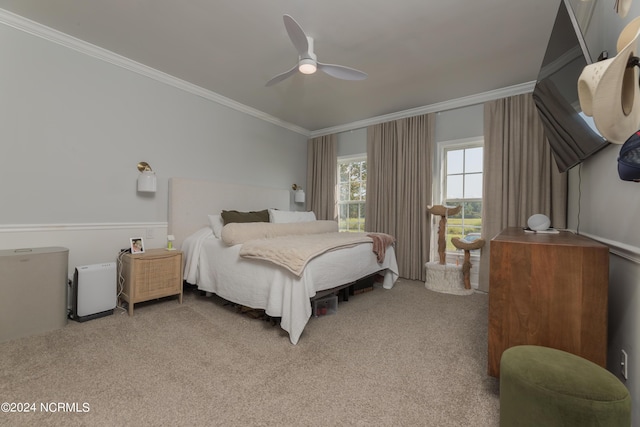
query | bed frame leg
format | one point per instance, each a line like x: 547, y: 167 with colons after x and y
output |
x: 345, y: 293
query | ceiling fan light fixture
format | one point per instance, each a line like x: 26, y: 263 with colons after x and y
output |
x: 307, y: 59
x: 307, y: 66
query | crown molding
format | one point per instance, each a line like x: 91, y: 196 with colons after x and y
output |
x: 36, y: 29
x: 433, y: 108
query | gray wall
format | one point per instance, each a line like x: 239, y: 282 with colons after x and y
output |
x: 352, y: 142
x: 460, y: 123
x: 74, y: 128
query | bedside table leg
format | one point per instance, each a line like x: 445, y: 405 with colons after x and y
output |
x: 130, y: 309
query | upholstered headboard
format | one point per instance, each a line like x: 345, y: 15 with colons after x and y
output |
x: 191, y: 201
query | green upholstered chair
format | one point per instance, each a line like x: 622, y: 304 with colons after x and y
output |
x: 541, y: 386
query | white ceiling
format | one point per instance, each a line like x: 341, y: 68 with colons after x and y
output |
x: 416, y: 52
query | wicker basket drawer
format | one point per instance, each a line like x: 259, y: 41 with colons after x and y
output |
x: 154, y: 274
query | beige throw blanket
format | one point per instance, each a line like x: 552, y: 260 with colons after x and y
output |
x: 294, y: 252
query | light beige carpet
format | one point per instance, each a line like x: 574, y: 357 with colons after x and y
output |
x: 401, y: 357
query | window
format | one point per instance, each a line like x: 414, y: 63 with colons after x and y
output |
x: 352, y: 193
x: 462, y: 185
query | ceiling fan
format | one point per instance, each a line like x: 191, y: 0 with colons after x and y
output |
x: 307, y: 59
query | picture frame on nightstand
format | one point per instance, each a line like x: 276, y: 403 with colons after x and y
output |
x: 137, y: 245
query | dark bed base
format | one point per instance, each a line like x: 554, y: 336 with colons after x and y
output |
x: 350, y: 289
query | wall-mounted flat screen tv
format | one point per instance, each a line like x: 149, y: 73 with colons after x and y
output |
x: 571, y: 134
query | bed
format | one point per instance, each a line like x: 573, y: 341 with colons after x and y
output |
x: 218, y: 267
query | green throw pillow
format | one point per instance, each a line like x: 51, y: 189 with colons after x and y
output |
x: 254, y: 216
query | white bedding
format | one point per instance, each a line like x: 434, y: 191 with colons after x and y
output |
x: 215, y: 267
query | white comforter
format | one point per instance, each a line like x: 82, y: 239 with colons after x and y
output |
x: 215, y: 267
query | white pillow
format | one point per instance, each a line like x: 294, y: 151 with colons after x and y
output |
x: 277, y: 216
x: 216, y: 222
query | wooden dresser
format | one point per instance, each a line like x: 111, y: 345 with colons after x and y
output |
x: 549, y: 290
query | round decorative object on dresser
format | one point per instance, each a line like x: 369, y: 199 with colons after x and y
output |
x: 539, y: 222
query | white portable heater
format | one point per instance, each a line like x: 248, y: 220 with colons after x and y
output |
x: 93, y: 291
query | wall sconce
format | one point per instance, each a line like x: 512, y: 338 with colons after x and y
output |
x: 147, y: 179
x: 298, y: 197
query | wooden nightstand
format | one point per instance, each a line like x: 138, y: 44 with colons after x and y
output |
x: 154, y: 274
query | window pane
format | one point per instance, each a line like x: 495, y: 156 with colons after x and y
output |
x: 473, y: 160
x: 473, y: 210
x: 355, y: 191
x: 454, y: 187
x: 342, y: 217
x: 455, y: 161
x: 454, y: 229
x: 344, y: 192
x: 473, y: 186
x: 355, y: 171
x: 353, y: 211
x: 344, y: 175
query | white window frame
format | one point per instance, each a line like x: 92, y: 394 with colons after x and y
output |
x: 439, y: 180
x: 342, y: 160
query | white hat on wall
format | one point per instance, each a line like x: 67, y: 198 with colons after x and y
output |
x: 609, y: 92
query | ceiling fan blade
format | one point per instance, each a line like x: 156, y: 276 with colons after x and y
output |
x: 282, y: 76
x: 342, y: 72
x: 297, y: 36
